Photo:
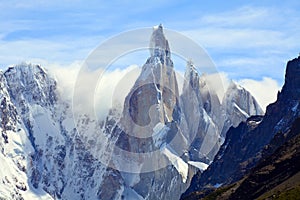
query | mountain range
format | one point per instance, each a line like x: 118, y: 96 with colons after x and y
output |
x: 159, y: 145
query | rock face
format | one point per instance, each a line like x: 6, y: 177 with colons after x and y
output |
x: 244, y: 145
x: 199, y: 104
x: 154, y: 98
x: 48, y: 155
x: 239, y: 104
x: 208, y: 119
x: 151, y: 119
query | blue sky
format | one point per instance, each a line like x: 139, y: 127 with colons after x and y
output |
x: 245, y: 40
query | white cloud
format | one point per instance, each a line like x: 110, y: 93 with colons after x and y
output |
x: 113, y: 87
x: 65, y: 76
x: 218, y: 82
x: 110, y: 90
x: 264, y: 91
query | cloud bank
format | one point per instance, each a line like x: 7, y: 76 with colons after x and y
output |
x: 111, y: 89
x: 264, y: 90
x: 114, y: 85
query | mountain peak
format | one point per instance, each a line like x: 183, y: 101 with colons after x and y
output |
x: 37, y: 85
x: 190, y: 65
x: 158, y: 27
x: 159, y: 45
x: 191, y: 75
x: 292, y: 80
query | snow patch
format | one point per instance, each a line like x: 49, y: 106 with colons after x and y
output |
x: 206, y: 117
x: 217, y: 185
x: 200, y: 165
x: 181, y: 166
x: 241, y: 110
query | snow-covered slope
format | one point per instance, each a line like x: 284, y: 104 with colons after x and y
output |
x: 41, y: 138
x: 15, y: 147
